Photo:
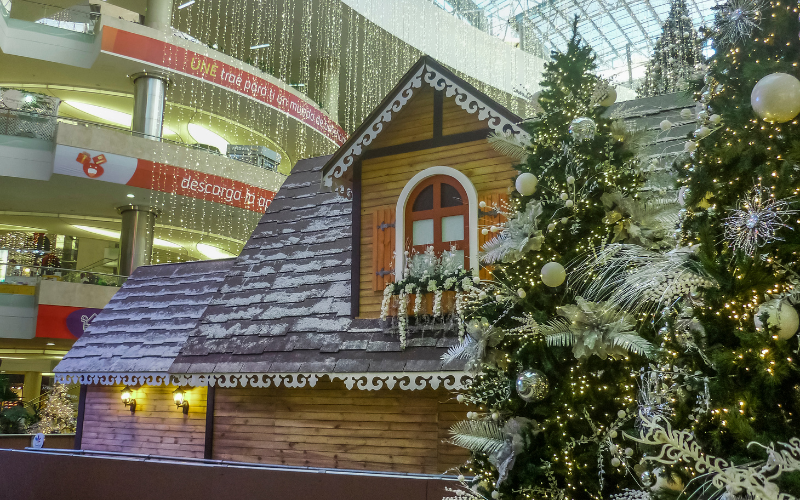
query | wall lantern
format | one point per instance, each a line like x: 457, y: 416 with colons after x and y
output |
x: 127, y: 398
x: 179, y: 397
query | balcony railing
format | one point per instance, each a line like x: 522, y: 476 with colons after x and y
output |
x: 77, y: 19
x: 19, y: 123
x: 20, y: 274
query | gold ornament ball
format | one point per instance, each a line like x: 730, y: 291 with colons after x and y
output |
x: 526, y: 183
x: 553, y: 274
x: 532, y: 385
x: 781, y: 315
x: 776, y: 98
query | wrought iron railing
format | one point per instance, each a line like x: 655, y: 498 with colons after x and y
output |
x: 19, y: 123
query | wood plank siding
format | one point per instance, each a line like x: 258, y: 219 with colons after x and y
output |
x: 330, y: 426
x: 157, y: 427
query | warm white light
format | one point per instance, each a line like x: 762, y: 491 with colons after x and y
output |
x: 205, y: 136
x: 9, y: 227
x: 109, y: 115
x: 262, y: 46
x: 213, y: 252
x: 108, y: 233
x: 184, y: 5
x: 130, y: 195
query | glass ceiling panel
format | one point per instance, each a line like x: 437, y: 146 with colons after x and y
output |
x: 622, y: 32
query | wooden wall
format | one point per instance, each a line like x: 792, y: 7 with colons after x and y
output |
x: 331, y: 426
x: 157, y: 427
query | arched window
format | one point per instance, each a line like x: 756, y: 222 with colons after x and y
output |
x: 437, y: 215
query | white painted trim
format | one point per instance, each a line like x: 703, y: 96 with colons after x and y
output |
x: 400, y: 216
x: 406, y: 381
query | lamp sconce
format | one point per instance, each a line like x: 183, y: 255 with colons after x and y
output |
x: 179, y: 397
x: 127, y: 398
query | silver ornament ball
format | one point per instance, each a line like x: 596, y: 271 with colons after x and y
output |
x: 532, y: 385
x: 582, y: 129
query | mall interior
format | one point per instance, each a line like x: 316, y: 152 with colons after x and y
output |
x: 138, y: 132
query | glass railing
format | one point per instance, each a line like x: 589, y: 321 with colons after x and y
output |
x: 20, y: 274
x: 81, y: 19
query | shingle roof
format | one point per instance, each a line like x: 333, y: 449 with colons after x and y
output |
x: 285, y: 303
x: 148, y: 319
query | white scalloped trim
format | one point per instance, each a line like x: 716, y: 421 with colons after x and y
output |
x: 406, y: 381
x: 334, y: 177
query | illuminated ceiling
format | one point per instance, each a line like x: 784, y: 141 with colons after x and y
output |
x: 614, y: 28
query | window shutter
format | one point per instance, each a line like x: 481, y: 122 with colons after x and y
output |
x: 488, y: 217
x: 383, y: 222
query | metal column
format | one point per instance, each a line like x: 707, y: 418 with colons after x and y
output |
x: 158, y: 14
x: 136, y: 239
x: 149, y: 98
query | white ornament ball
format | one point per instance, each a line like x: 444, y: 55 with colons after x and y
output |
x: 495, y: 416
x: 563, y: 196
x: 494, y: 229
x: 476, y: 280
x: 665, y: 125
x: 686, y: 113
x: 551, y: 226
x: 615, y: 462
x: 776, y: 97
x: 613, y: 434
x: 690, y: 146
x: 526, y: 183
x: 570, y: 180
x: 461, y: 477
x: 495, y: 494
x: 610, y: 98
x: 553, y: 274
x: 715, y: 119
x: 482, y: 204
x: 460, y: 398
x: 782, y: 315
x: 628, y: 452
x: 621, y: 414
x: 484, y: 231
x: 564, y: 220
x: 521, y: 293
x: 702, y: 132
x: 569, y: 203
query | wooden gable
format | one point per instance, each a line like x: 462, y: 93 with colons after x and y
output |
x: 430, y: 130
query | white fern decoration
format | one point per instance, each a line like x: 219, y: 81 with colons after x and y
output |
x: 509, y: 145
x: 480, y: 436
x: 637, y: 280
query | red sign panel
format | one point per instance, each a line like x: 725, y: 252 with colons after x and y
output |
x: 63, y: 322
x: 146, y: 174
x: 174, y: 58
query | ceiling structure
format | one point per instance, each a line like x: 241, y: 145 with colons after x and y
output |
x: 621, y: 32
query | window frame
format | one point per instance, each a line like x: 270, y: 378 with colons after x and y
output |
x: 404, y: 202
x: 437, y: 213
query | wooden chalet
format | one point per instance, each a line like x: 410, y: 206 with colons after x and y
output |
x: 280, y: 352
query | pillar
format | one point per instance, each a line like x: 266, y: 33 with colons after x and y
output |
x: 32, y: 386
x: 149, y: 98
x: 136, y: 238
x: 158, y: 14
x: 329, y: 92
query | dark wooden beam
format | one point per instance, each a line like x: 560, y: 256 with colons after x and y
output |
x: 355, y: 252
x: 209, y: 442
x: 438, y: 113
x: 436, y: 142
x: 81, y: 414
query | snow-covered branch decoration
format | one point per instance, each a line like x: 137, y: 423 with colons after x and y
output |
x: 510, y: 145
x: 480, y: 336
x: 519, y: 236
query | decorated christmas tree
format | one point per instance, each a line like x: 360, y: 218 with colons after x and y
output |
x: 676, y: 55
x: 58, y: 413
x: 616, y: 359
x: 553, y: 386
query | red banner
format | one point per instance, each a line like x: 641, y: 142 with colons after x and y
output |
x: 118, y: 169
x: 174, y: 58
